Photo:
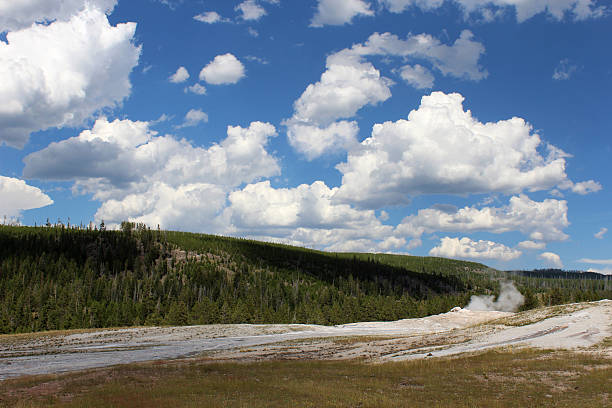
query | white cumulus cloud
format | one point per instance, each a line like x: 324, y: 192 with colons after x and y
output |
x: 339, y: 12
x: 542, y: 221
x: 141, y: 176
x: 551, y: 259
x: 193, y: 118
x: 209, y: 17
x: 468, y: 249
x: 311, y: 206
x: 250, y: 10
x: 307, y: 215
x: 350, y: 82
x: 532, y: 245
x: 184, y: 207
x: 459, y: 60
x: 223, y: 69
x: 181, y: 75
x: 442, y: 149
x: 60, y: 74
x: 19, y: 14
x: 121, y: 158
x: 524, y: 10
x: 313, y: 141
x: 347, y: 85
x: 196, y: 89
x: 17, y: 196
x: 417, y: 76
x: 399, y: 6
x: 586, y: 187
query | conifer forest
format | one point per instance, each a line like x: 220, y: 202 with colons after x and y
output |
x: 64, y: 277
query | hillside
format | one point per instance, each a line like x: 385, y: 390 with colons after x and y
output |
x: 65, y: 278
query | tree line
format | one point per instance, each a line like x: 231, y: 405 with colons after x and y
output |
x: 60, y: 277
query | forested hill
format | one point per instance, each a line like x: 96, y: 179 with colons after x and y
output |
x: 61, y: 278
x: 561, y: 274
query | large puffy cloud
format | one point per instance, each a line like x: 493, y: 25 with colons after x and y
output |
x: 442, y: 149
x: 109, y: 151
x: 16, y: 196
x: 488, y: 9
x: 121, y: 158
x: 346, y: 86
x: 551, y: 259
x: 307, y: 215
x: 183, y: 207
x: 314, y: 141
x: 260, y: 205
x: 339, y: 12
x: 468, y: 249
x: 223, y: 69
x: 159, y: 180
x: 312, y: 215
x: 351, y: 240
x: 542, y: 221
x: 141, y: 176
x: 18, y: 14
x: 350, y: 82
x: 60, y: 74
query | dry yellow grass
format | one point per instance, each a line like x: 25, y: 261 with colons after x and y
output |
x: 493, y: 379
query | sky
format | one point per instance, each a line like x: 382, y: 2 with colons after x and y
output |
x: 470, y: 129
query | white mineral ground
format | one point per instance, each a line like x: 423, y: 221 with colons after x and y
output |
x: 582, y: 326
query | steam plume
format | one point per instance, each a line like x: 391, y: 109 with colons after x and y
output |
x: 509, y: 300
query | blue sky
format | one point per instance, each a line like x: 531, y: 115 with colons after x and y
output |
x: 474, y: 129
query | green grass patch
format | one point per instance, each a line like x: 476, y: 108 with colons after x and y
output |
x: 493, y: 379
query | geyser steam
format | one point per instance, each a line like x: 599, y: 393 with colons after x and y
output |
x: 509, y: 300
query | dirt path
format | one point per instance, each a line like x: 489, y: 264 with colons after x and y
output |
x: 571, y: 326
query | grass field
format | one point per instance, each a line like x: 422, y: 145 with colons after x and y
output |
x: 504, y: 378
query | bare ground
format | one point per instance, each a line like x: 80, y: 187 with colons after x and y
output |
x: 580, y: 327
